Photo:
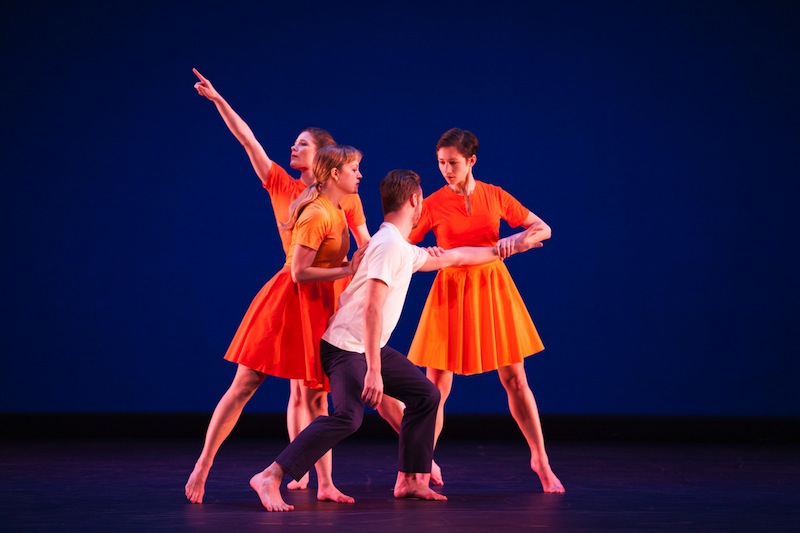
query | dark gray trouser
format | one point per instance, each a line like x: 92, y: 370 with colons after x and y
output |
x: 401, y: 380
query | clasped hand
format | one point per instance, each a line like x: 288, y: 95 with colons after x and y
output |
x: 520, y: 242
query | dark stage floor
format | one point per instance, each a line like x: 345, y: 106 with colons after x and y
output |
x: 137, y: 485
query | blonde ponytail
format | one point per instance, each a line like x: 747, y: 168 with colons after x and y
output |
x: 308, y: 195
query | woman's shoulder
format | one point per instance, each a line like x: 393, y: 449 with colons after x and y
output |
x: 486, y: 186
x: 439, y: 195
x: 277, y: 179
x: 490, y: 189
x: 317, y: 209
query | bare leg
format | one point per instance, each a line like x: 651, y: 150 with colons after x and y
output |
x: 225, y: 416
x: 315, y: 403
x: 443, y: 379
x: 391, y: 410
x: 268, y: 486
x: 298, y: 417
x: 415, y: 486
x: 525, y: 412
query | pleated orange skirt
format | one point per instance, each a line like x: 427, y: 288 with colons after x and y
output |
x: 474, y: 321
x: 280, y: 332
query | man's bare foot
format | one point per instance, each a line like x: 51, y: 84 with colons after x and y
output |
x: 196, y: 486
x: 550, y: 483
x: 416, y: 486
x: 436, y: 475
x: 298, y: 485
x: 268, y: 486
x: 329, y: 493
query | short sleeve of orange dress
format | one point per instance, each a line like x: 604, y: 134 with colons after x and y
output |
x: 279, y: 335
x: 474, y: 319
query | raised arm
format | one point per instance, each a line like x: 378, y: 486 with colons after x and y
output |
x: 258, y: 157
x: 467, y: 255
x: 303, y: 257
x: 376, y: 291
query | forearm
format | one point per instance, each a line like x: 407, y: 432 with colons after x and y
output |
x: 465, y: 255
x: 236, y: 125
x: 239, y: 128
x: 320, y: 273
x: 373, y: 321
x: 360, y: 234
x: 469, y: 255
x: 544, y: 232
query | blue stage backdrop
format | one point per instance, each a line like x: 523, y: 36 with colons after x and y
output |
x: 660, y: 141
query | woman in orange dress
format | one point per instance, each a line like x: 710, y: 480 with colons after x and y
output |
x: 474, y: 319
x: 257, y: 359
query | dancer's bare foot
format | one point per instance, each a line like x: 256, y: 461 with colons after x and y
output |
x: 329, y: 493
x: 416, y: 486
x: 298, y: 485
x: 268, y: 486
x: 436, y: 475
x: 550, y: 483
x: 196, y: 486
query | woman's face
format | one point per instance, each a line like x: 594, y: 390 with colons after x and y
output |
x: 349, y: 176
x: 303, y: 151
x: 454, y: 167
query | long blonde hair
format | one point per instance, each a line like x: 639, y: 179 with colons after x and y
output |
x: 326, y: 159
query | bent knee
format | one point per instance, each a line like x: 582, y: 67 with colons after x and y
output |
x: 430, y: 397
x: 319, y: 404
x: 349, y: 420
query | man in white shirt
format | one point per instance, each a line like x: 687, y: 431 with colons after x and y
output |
x: 356, y: 357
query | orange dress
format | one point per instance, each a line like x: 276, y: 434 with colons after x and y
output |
x: 474, y: 319
x: 280, y: 332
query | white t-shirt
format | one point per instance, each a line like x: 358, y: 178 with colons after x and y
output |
x: 391, y: 259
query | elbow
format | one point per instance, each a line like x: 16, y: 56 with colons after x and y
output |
x: 545, y: 232
x: 297, y: 274
x: 372, y: 315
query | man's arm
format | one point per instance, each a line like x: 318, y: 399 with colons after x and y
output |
x: 373, y: 326
x: 469, y: 255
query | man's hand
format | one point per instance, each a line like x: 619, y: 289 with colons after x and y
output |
x: 373, y: 388
x: 435, y: 251
x: 520, y: 242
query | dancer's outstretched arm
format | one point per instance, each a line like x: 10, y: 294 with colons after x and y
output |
x: 470, y: 255
x: 258, y: 157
